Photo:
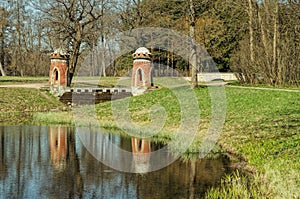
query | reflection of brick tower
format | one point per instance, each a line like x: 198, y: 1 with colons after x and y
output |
x: 141, y: 154
x: 142, y: 71
x: 58, y: 72
x: 58, y: 146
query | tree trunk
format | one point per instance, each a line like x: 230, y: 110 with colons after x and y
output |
x: 268, y: 66
x: 2, y: 54
x: 75, y: 55
x: 277, y: 69
x: 194, y: 47
x: 103, y: 66
x: 69, y: 78
x: 251, y: 40
x: 2, y: 70
x: 103, y: 57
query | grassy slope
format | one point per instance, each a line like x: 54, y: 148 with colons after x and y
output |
x: 262, y: 126
x: 18, y: 104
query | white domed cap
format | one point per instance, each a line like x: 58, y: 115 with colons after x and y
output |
x: 60, y: 54
x: 142, y: 53
x: 61, y: 51
x: 142, y: 50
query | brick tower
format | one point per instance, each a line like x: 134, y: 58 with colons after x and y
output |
x: 58, y: 72
x: 141, y: 151
x: 58, y: 146
x: 142, y: 71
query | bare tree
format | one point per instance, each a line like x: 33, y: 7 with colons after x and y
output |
x: 271, y: 54
x: 72, y: 22
x: 194, y: 53
x: 3, y: 22
x: 1, y: 70
x: 251, y: 38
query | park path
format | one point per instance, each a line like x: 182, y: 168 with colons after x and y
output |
x: 41, y: 85
x: 270, y: 89
x: 24, y: 85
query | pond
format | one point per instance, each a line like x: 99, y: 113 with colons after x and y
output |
x: 52, y: 162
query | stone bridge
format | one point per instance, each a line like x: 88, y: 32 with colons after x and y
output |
x: 142, y: 79
x: 79, y: 96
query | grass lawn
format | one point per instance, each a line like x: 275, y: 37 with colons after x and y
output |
x: 294, y: 87
x: 4, y: 80
x: 17, y: 105
x: 262, y: 128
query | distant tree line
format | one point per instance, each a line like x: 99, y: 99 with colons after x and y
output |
x: 269, y: 52
x: 257, y: 40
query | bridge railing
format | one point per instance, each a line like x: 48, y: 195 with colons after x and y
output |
x: 99, y: 90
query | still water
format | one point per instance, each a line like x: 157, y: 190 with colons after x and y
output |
x: 52, y: 162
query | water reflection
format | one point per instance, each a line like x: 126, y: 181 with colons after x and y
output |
x: 3, y: 168
x: 116, y: 151
x: 51, y: 162
x: 141, y: 154
x: 58, y: 146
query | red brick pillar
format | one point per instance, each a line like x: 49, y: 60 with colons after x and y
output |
x: 141, y: 151
x: 58, y: 146
x: 141, y: 72
x: 58, y: 72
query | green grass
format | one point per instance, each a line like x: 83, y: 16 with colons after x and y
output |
x: 289, y: 87
x: 238, y: 185
x: 25, y: 100
x: 108, y: 81
x: 19, y: 104
x: 55, y: 118
x: 86, y: 81
x: 262, y: 127
x: 4, y: 80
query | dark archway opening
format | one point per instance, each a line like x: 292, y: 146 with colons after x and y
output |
x: 56, y: 75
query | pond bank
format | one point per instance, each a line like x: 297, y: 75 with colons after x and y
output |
x: 261, y: 127
x: 36, y: 159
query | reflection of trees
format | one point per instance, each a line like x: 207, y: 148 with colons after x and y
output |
x: 3, y: 169
x: 181, y: 179
x: 24, y: 161
x: 28, y: 170
x: 58, y: 146
x: 192, y: 179
x: 66, y: 179
x: 20, y: 162
x: 30, y: 173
